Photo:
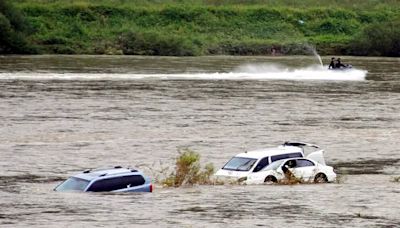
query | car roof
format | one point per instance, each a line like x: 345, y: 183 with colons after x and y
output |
x: 95, y: 174
x: 261, y: 153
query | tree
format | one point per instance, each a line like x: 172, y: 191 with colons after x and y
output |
x: 13, y: 30
x: 382, y: 38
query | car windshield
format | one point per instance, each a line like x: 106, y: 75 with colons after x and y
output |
x: 240, y: 164
x: 274, y: 165
x: 73, y: 184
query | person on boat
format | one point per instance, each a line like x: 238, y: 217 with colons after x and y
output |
x: 332, y: 65
x: 339, y: 64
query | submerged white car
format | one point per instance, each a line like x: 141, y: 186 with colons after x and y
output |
x: 299, y: 169
x: 256, y: 163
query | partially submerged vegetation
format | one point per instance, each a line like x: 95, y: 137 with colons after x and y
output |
x: 396, y: 179
x: 188, y: 171
x: 290, y: 179
x: 204, y: 27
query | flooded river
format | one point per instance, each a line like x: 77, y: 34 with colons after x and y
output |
x: 63, y: 114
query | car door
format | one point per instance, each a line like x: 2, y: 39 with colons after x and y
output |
x: 304, y: 169
x: 317, y: 156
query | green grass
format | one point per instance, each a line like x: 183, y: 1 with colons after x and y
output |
x: 206, y: 27
x: 305, y: 4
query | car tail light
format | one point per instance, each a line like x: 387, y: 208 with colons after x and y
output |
x: 151, y: 187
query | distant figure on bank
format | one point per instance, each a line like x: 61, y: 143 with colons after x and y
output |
x: 332, y: 65
x: 273, y: 51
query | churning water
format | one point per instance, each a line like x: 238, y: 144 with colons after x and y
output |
x: 166, y: 71
x: 63, y: 114
x: 244, y: 72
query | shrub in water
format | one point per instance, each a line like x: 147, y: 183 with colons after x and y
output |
x: 291, y: 179
x: 188, y: 171
x: 396, y: 179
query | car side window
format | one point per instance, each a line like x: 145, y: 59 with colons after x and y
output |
x: 284, y: 156
x: 105, y: 185
x: 290, y: 164
x: 132, y: 181
x: 278, y: 157
x: 294, y: 155
x: 263, y: 162
x: 116, y: 183
x: 304, y: 163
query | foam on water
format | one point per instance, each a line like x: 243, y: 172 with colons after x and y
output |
x: 314, y: 72
x: 245, y: 72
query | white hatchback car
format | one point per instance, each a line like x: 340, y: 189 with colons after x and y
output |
x: 250, y: 163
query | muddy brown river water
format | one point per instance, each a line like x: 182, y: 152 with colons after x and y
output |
x: 63, y: 114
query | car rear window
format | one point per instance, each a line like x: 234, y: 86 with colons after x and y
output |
x: 111, y: 184
x: 285, y: 156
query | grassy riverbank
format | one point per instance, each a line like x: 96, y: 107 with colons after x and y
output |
x: 195, y: 27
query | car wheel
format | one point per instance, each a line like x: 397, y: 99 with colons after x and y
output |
x: 320, y: 178
x: 270, y: 180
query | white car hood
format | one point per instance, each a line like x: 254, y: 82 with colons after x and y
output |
x: 231, y: 173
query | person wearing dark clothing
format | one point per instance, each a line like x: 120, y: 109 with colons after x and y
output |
x: 332, y: 64
x: 339, y: 64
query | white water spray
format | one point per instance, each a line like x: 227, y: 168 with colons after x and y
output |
x: 318, y: 56
x: 315, y: 53
x: 245, y: 72
x: 314, y: 72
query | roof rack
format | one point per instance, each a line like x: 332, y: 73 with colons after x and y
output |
x: 87, y: 171
x: 90, y: 170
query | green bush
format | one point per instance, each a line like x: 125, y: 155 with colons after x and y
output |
x: 154, y: 43
x: 188, y: 171
x: 14, y: 16
x: 336, y: 26
x: 54, y: 40
x: 242, y: 48
x: 378, y: 39
x: 13, y: 29
x: 12, y: 41
x: 5, y: 34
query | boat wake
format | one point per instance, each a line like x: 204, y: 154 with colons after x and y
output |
x: 314, y: 72
x: 246, y: 72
